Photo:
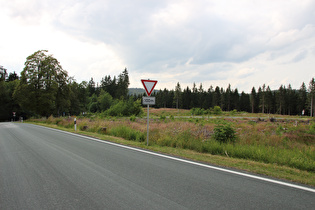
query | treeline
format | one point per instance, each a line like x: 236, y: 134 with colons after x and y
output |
x: 285, y: 100
x: 45, y: 89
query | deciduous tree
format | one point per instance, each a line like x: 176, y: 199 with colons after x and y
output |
x: 43, y: 88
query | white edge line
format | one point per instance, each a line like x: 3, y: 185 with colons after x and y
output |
x: 191, y: 162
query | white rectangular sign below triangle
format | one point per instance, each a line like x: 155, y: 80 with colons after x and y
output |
x: 148, y: 85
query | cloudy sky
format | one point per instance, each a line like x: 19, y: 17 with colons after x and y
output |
x: 245, y: 43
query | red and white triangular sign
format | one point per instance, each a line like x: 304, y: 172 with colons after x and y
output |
x: 148, y: 85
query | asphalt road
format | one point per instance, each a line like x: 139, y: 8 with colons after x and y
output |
x: 44, y: 168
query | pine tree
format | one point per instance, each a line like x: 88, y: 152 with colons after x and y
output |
x: 253, y: 99
x: 228, y: 98
x: 280, y: 97
x: 209, y: 98
x: 216, y: 96
x: 235, y: 100
x: 177, y: 95
x: 268, y: 100
x: 311, y: 89
x: 245, y: 102
x: 12, y: 76
x: 262, y: 95
x: 302, y: 99
x: 122, y: 85
x: 91, y: 87
x: 186, y: 98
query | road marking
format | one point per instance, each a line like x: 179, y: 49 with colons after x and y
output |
x: 192, y: 162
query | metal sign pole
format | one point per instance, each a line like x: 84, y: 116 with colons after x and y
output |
x: 148, y: 126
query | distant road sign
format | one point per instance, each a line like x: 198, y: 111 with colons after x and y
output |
x: 148, y: 85
x: 148, y: 100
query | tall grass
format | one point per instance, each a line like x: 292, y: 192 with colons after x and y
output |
x: 282, y: 143
x: 128, y: 133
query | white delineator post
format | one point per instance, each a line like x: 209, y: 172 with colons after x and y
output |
x: 75, y: 124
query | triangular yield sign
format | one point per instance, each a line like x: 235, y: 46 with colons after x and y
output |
x: 148, y: 85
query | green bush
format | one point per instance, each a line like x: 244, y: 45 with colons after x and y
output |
x: 133, y: 118
x: 197, y: 111
x: 162, y: 117
x: 217, y: 110
x: 124, y: 108
x: 104, y: 100
x: 224, y: 133
x: 233, y: 112
x: 93, y: 107
x: 312, y: 128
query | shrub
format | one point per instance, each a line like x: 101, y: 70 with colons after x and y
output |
x: 58, y: 121
x: 233, y: 112
x: 104, y: 100
x: 197, y: 111
x: 124, y: 108
x: 162, y: 117
x: 312, y: 128
x: 224, y: 133
x: 93, y: 107
x: 50, y: 120
x: 209, y: 111
x: 116, y: 109
x: 217, y: 110
x: 133, y: 118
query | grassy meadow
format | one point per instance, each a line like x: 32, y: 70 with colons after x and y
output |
x: 278, y: 146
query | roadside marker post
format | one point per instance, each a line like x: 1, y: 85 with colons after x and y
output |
x: 75, y: 124
x: 149, y: 87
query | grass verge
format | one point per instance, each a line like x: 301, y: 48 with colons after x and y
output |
x: 272, y: 170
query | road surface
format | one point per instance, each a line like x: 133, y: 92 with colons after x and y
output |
x: 43, y: 168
